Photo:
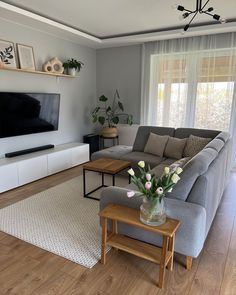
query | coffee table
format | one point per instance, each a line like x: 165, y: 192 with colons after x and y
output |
x: 104, y: 166
x: 161, y: 255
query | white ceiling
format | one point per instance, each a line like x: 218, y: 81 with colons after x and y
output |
x: 106, y: 18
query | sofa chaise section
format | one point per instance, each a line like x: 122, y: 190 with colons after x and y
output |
x: 195, y: 198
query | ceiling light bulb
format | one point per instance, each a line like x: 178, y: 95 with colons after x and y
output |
x: 210, y: 9
x: 185, y: 15
x: 216, y: 16
x: 180, y: 8
x: 186, y: 27
x: 223, y: 20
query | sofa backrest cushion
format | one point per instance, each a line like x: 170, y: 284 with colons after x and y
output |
x: 186, y: 132
x: 194, y: 145
x: 216, y: 144
x: 156, y: 144
x: 197, y: 166
x: 143, y: 134
x: 224, y: 136
x: 175, y: 147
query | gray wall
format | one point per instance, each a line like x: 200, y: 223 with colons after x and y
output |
x: 78, y: 95
x: 120, y: 68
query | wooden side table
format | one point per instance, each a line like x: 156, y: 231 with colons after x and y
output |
x: 162, y: 256
x: 114, y: 139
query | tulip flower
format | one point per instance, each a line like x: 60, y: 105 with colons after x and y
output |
x: 130, y: 194
x: 179, y: 170
x: 175, y: 178
x: 148, y: 176
x: 148, y: 185
x: 131, y: 172
x: 167, y: 170
x: 159, y: 190
x: 141, y: 164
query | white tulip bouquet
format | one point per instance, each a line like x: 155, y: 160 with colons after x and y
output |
x: 152, y: 187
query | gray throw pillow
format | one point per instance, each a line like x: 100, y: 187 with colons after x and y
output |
x: 156, y: 144
x: 175, y: 147
x: 194, y: 145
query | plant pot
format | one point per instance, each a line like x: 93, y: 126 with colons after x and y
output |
x: 153, y: 212
x: 71, y: 71
x: 109, y: 131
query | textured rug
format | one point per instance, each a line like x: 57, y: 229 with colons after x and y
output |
x: 60, y: 220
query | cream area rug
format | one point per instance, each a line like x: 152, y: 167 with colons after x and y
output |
x: 60, y: 220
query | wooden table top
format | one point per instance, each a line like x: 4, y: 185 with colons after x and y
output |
x: 131, y: 216
x: 106, y: 165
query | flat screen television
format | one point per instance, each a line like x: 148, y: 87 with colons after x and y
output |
x: 27, y: 113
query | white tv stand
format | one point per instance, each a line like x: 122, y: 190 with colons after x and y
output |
x: 20, y: 170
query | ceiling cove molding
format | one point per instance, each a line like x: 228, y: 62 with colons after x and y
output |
x: 169, y: 34
x: 42, y: 19
x: 44, y: 24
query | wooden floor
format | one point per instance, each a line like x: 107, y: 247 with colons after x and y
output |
x: 26, y: 269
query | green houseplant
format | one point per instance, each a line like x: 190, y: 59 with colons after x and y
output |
x: 110, y: 114
x: 72, y: 65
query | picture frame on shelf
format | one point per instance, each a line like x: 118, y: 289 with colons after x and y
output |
x: 26, y: 57
x: 7, y: 54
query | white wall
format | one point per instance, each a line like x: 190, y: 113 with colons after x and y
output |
x: 77, y: 95
x: 120, y: 68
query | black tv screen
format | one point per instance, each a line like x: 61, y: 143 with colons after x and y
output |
x: 27, y: 113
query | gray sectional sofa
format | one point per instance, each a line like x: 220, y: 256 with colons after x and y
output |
x: 195, y: 198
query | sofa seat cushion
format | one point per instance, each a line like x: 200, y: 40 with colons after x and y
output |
x: 135, y: 157
x: 175, y: 147
x: 114, y: 152
x: 156, y: 144
x: 194, y: 145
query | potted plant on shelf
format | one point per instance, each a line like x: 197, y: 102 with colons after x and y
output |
x: 110, y: 114
x: 72, y: 66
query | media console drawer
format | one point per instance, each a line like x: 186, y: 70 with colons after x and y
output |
x: 8, y: 177
x: 59, y: 161
x: 32, y: 169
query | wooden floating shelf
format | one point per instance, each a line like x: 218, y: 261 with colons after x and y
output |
x: 37, y: 72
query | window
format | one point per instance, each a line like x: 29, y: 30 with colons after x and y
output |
x: 196, y: 83
x: 213, y: 105
x: 171, y: 91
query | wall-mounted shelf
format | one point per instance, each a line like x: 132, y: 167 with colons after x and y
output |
x: 36, y: 72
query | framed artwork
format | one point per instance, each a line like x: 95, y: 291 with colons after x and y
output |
x: 7, y: 54
x: 26, y: 57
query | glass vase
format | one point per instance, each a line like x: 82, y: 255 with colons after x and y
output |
x: 152, y: 212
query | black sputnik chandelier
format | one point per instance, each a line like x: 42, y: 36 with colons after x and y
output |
x: 201, y: 9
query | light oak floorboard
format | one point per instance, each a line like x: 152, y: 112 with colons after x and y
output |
x: 26, y: 269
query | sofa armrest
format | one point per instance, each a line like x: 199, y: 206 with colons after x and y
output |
x: 190, y: 236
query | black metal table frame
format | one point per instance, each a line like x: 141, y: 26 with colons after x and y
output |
x: 87, y: 195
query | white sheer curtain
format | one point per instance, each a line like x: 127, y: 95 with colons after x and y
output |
x: 190, y: 82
